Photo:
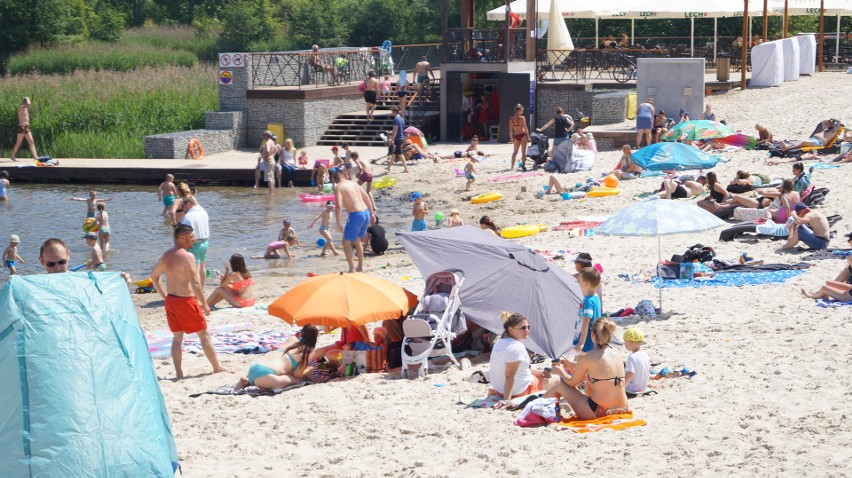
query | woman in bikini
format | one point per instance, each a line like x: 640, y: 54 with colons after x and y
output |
x: 235, y: 285
x: 185, y: 202
x: 839, y: 289
x: 520, y: 136
x: 285, y: 369
x: 779, y: 209
x: 603, y: 371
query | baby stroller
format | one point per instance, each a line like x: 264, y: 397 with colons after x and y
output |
x: 539, y: 149
x: 436, y: 321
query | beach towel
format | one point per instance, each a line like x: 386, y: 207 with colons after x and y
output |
x: 823, y: 166
x: 612, y: 422
x: 512, y: 177
x: 538, y: 412
x: 569, y: 225
x: 831, y: 304
x: 492, y: 400
x: 223, y: 342
x: 842, y: 253
x: 730, y: 279
x: 251, y: 390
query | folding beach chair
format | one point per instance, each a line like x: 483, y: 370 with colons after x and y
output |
x: 436, y: 321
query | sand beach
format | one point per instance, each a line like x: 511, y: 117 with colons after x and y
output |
x: 769, y: 399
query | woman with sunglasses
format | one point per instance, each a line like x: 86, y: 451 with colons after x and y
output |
x: 509, y: 367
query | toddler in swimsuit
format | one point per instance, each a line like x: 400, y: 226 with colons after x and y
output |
x: 325, y: 230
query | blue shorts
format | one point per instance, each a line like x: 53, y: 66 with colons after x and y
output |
x: 356, y: 225
x: 815, y: 141
x: 10, y: 264
x: 470, y: 176
x: 168, y: 200
x: 199, y: 250
x: 814, y: 242
x: 418, y: 225
x: 257, y: 370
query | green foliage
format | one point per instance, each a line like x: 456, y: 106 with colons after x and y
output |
x: 107, y: 114
x: 97, y: 56
x: 246, y: 24
x: 202, y: 42
x: 107, y: 25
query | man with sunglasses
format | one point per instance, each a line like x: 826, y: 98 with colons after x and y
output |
x: 185, y: 304
x: 54, y: 256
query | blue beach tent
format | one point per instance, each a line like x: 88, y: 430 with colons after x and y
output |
x: 80, y: 397
x: 666, y: 156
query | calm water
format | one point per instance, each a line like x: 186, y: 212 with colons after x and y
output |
x: 242, y: 220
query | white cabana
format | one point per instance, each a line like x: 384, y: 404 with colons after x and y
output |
x: 767, y: 64
x: 807, y: 54
x: 790, y: 50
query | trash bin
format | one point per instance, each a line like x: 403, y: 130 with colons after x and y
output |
x: 723, y: 69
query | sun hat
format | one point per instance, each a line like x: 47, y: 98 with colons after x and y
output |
x: 416, y: 195
x: 90, y: 235
x: 634, y: 335
x: 456, y: 211
x: 14, y: 238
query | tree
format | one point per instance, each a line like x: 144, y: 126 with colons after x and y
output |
x: 246, y: 23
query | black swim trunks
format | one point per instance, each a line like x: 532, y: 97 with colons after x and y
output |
x: 370, y: 97
x: 680, y: 192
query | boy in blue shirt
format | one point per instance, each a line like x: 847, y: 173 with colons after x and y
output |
x: 589, y: 279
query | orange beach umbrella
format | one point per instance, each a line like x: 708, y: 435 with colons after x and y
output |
x: 341, y: 300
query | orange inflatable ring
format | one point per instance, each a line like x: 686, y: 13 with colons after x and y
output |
x: 196, y: 151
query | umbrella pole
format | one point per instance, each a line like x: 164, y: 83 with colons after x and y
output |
x: 659, y: 257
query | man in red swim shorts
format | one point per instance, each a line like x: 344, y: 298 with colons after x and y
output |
x: 185, y: 303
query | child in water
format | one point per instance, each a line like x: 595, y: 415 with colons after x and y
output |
x: 103, y: 226
x: 10, y: 255
x: 96, y: 259
x: 325, y: 229
x: 286, y: 239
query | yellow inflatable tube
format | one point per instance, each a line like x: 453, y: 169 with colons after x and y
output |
x: 601, y: 191
x: 523, y: 230
x: 486, y: 197
x: 384, y: 182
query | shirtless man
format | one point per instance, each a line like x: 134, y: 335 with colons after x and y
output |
x: 319, y: 66
x: 267, y: 157
x: 54, y: 256
x: 820, y: 138
x: 810, y: 227
x: 91, y: 202
x: 372, y: 88
x: 422, y: 73
x: 24, y: 130
x: 365, y: 172
x: 185, y: 303
x: 349, y: 195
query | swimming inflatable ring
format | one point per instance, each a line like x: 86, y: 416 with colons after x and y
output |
x: 486, y: 197
x: 194, y: 149
x: 90, y: 224
x: 316, y: 197
x: 598, y: 191
x: 384, y: 182
x: 523, y: 230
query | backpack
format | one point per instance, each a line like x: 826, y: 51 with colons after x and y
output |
x: 700, y: 253
x: 363, y: 86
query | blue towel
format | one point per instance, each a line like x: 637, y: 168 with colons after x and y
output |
x: 650, y: 174
x: 831, y: 304
x: 825, y: 166
x: 731, y: 279
x: 842, y: 253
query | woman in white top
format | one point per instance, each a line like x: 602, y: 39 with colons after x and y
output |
x: 287, y: 161
x: 510, y: 363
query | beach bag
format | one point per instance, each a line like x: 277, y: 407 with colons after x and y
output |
x: 668, y: 271
x: 363, y: 86
x: 700, y: 253
x: 645, y: 308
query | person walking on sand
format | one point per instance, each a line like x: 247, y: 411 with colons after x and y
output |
x: 349, y: 195
x: 325, y: 230
x: 397, y: 140
x: 24, y: 132
x: 91, y: 202
x: 167, y: 193
x: 520, y: 137
x: 372, y: 89
x: 186, y: 306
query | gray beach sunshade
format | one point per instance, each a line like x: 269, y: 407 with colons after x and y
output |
x: 501, y: 275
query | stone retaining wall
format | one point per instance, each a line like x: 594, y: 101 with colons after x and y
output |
x: 225, y: 132
x: 609, y: 108
x: 297, y: 115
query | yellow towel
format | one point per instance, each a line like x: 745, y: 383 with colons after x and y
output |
x: 612, y: 422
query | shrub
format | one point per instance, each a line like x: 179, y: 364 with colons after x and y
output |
x: 89, y: 114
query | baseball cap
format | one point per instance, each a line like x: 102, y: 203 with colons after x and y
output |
x: 634, y: 335
x: 416, y: 195
x: 682, y: 112
x: 90, y: 235
x: 800, y: 206
x: 14, y: 238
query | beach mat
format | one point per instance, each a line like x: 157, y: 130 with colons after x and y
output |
x: 612, y: 422
x: 491, y: 401
x: 568, y: 225
x: 251, y: 390
x: 730, y: 279
x: 831, y: 304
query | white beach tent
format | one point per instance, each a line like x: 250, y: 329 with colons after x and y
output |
x: 836, y: 8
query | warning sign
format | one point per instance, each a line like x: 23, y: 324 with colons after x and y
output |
x: 232, y: 60
x: 226, y: 77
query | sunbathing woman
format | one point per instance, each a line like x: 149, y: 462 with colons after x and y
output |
x: 839, y: 289
x: 779, y: 209
x: 235, y: 285
x: 285, y: 369
x: 764, y: 136
x: 626, y: 168
x: 719, y: 199
x: 603, y: 371
x: 674, y: 189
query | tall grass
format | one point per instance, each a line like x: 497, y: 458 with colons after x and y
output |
x: 97, y: 56
x: 184, y: 38
x: 90, y: 114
